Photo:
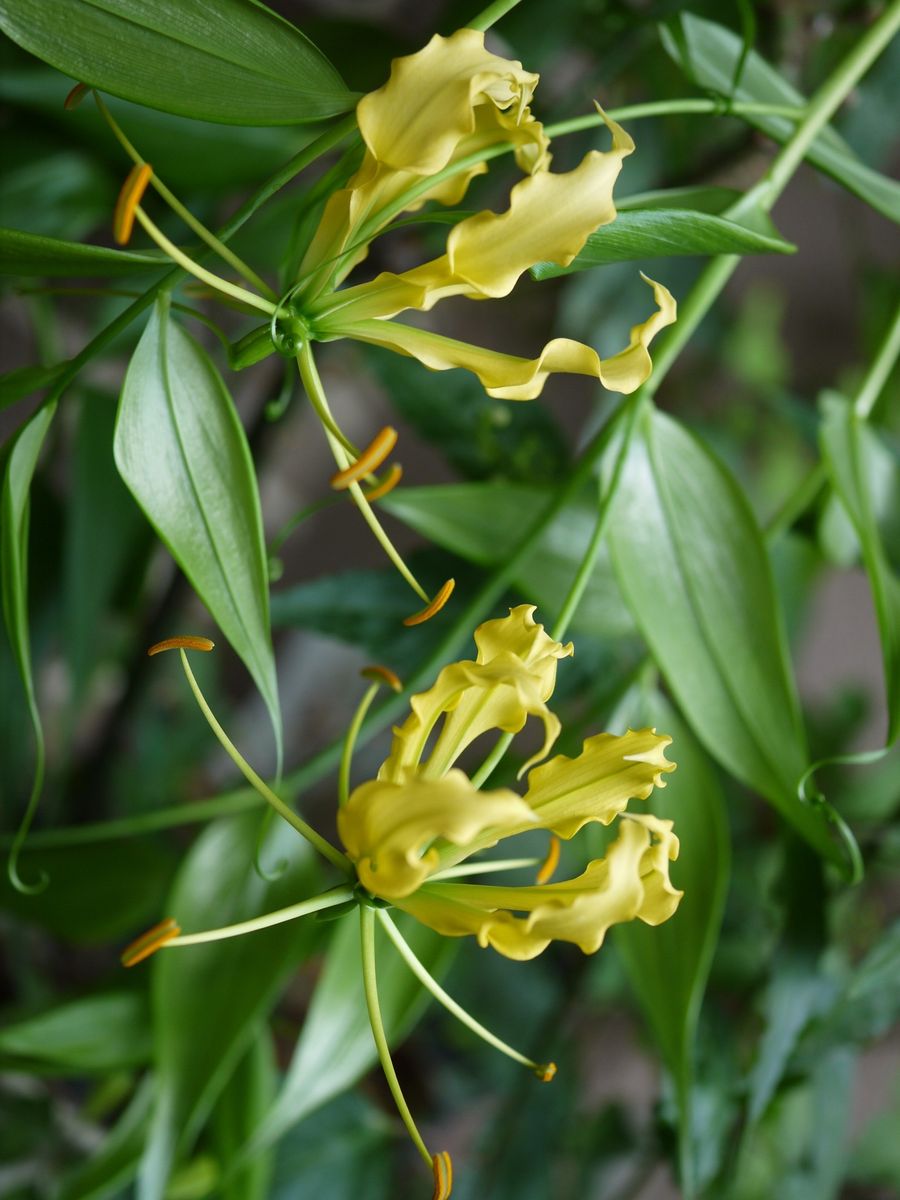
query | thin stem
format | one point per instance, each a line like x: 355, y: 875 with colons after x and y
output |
x: 370, y: 984
x: 877, y: 375
x: 313, y: 385
x: 797, y: 502
x: 324, y: 847
x: 677, y: 107
x: 487, y: 768
x: 350, y: 741
x: 630, y: 411
x: 431, y: 984
x: 175, y: 204
x: 321, y: 145
x: 298, y: 518
x: 492, y: 14
x: 316, y: 394
x: 188, y: 264
x: 315, y: 904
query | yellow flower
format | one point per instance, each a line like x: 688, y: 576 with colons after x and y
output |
x: 451, y: 101
x: 407, y: 830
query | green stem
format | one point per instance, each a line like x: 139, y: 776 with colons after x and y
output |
x: 324, y: 847
x: 877, y: 375
x: 629, y: 413
x: 322, y: 144
x: 428, y: 981
x: 313, y: 385
x: 676, y: 107
x: 308, y: 510
x: 350, y: 741
x: 329, y: 899
x: 492, y: 14
x: 177, y: 207
x: 370, y: 984
x: 187, y: 264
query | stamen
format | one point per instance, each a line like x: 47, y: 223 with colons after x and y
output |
x: 443, y: 1175
x: 148, y: 943
x: 383, y: 675
x: 390, y: 481
x: 129, y: 198
x: 367, y: 462
x: 75, y: 97
x: 434, y: 607
x: 546, y: 1072
x: 551, y: 862
x: 181, y: 643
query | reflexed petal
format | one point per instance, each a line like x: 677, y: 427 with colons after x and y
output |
x: 632, y: 881
x: 505, y: 375
x: 548, y: 220
x: 433, y: 99
x: 512, y: 678
x: 567, y: 793
x: 387, y: 828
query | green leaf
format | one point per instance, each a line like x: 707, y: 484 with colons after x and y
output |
x: 697, y: 199
x: 336, y: 1047
x: 866, y: 476
x: 709, y: 54
x: 238, y: 62
x: 20, y: 465
x: 182, y: 451
x: 668, y: 966
x: 106, y: 1032
x: 661, y: 233
x: 114, y: 1165
x: 480, y: 521
x: 694, y: 571
x: 209, y: 1000
x: 32, y: 254
x: 244, y: 1101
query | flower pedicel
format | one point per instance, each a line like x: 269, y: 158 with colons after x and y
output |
x: 414, y: 834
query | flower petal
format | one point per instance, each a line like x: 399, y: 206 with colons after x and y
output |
x: 433, y: 98
x: 567, y: 793
x: 512, y: 679
x: 632, y: 881
x: 507, y: 376
x: 388, y: 828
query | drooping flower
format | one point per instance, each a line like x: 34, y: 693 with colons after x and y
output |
x: 442, y: 115
x: 408, y: 832
x: 423, y: 816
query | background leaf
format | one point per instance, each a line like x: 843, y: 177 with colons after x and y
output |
x: 709, y: 53
x: 98, y: 1033
x: 244, y: 1101
x: 336, y: 1046
x: 246, y: 65
x: 480, y: 521
x: 183, y: 453
x: 668, y: 966
x: 33, y: 254
x: 209, y: 1001
x: 661, y: 233
x: 694, y: 571
x: 866, y: 476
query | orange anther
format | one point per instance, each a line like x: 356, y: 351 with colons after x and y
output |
x: 443, y: 1175
x: 75, y: 97
x: 434, y: 607
x: 546, y: 1072
x: 148, y: 943
x: 181, y: 643
x: 129, y: 198
x: 370, y: 459
x: 551, y: 862
x: 390, y: 481
x: 379, y: 674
